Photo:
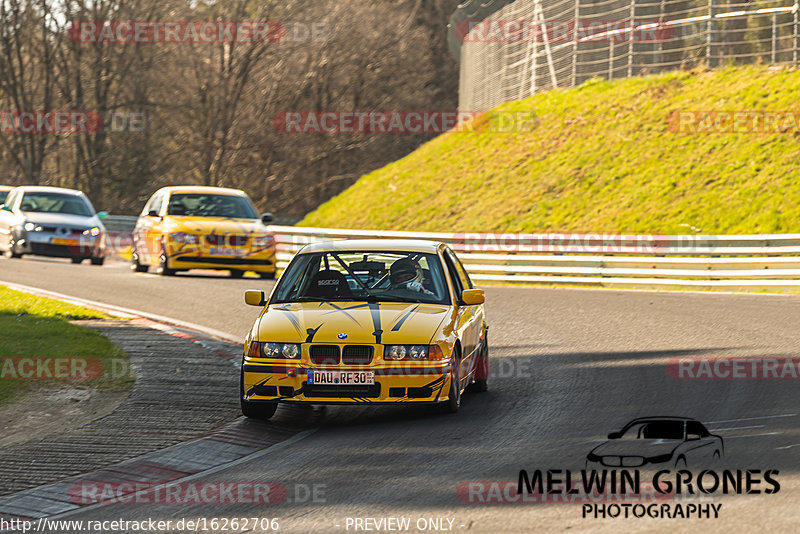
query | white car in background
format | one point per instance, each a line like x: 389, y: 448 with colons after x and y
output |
x: 51, y: 221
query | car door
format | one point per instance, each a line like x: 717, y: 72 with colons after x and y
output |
x: 468, y: 319
x: 700, y: 444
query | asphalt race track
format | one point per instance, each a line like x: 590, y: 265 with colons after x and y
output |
x: 569, y: 366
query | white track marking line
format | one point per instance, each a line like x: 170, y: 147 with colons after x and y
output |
x: 752, y: 418
x: 122, y: 312
x: 753, y: 435
x: 735, y: 428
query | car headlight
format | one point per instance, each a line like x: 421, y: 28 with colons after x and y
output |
x: 94, y: 232
x: 290, y: 351
x: 263, y: 241
x: 181, y: 237
x: 660, y: 459
x: 406, y: 352
x: 29, y: 227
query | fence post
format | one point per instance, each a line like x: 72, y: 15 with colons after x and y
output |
x: 630, y: 38
x: 611, y: 59
x: 796, y: 31
x: 575, y: 25
x: 711, y: 29
x: 773, y: 56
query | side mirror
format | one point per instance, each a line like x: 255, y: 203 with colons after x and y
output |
x: 692, y: 437
x: 615, y: 435
x: 102, y: 215
x: 152, y: 213
x: 471, y: 297
x: 5, y: 207
x: 267, y: 218
x: 254, y: 297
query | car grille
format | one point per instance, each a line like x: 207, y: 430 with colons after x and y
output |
x: 216, y: 240
x: 324, y: 354
x: 314, y: 390
x: 357, y: 354
x: 238, y: 240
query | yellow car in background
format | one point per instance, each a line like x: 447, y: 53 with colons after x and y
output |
x: 366, y: 322
x: 193, y: 227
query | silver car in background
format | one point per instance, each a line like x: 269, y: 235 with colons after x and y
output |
x: 51, y: 221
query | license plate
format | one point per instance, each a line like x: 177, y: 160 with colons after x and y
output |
x: 60, y: 241
x: 225, y: 251
x: 317, y: 376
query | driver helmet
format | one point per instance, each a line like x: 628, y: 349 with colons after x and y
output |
x: 404, y: 271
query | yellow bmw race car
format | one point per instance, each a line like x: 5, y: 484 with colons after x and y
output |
x: 366, y: 321
x: 191, y: 227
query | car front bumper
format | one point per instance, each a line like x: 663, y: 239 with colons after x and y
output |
x: 288, y: 383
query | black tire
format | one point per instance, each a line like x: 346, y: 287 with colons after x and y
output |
x: 255, y: 410
x: 267, y: 276
x: 481, y: 385
x: 98, y: 261
x: 11, y: 252
x: 163, y: 263
x: 235, y: 273
x: 76, y: 260
x: 135, y: 265
x: 453, y: 402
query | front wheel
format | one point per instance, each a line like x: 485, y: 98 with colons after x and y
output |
x: 255, y: 410
x: 76, y: 260
x: 98, y: 261
x: 163, y: 264
x: 481, y: 383
x: 453, y: 402
x: 235, y: 273
x: 135, y: 265
x: 267, y: 276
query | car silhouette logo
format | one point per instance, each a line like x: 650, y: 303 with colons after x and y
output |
x: 342, y: 336
x: 674, y: 441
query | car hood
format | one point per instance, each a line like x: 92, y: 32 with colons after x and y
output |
x: 212, y: 225
x: 60, y: 219
x: 637, y: 447
x: 363, y: 323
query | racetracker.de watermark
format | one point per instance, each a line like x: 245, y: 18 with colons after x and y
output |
x: 64, y: 368
x: 196, y: 32
x: 70, y: 122
x: 177, y: 493
x: 742, y: 368
x: 581, y: 243
x: 734, y: 121
x: 562, y: 31
x: 403, y: 122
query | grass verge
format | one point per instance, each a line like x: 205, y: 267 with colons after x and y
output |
x: 39, y: 344
x: 599, y: 158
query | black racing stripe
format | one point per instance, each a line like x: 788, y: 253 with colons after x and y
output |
x: 402, y: 320
x: 345, y: 310
x: 375, y: 308
x: 292, y: 318
x: 250, y: 391
x: 312, y: 332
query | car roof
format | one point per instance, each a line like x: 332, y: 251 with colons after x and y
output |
x: 201, y: 189
x: 378, y: 245
x: 48, y: 189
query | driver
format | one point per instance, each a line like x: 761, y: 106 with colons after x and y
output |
x: 406, y: 273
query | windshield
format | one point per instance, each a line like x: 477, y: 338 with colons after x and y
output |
x: 203, y: 205
x: 55, y: 203
x: 3, y: 196
x: 368, y: 275
x: 655, y: 430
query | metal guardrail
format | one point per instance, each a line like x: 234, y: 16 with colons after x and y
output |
x: 706, y: 261
x: 120, y: 223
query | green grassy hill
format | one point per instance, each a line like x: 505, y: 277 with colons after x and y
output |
x: 600, y: 158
